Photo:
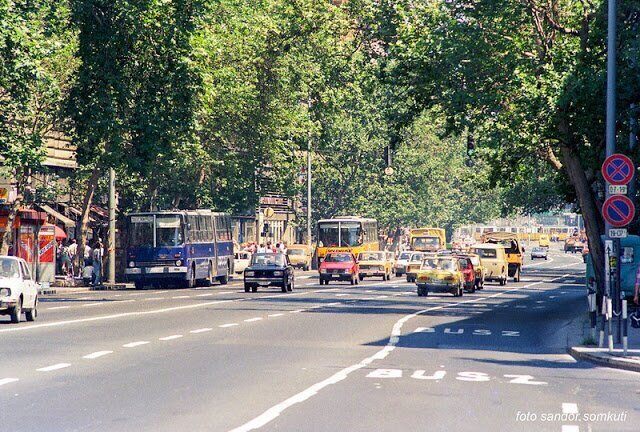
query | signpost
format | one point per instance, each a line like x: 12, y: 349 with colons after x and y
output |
x: 617, y: 169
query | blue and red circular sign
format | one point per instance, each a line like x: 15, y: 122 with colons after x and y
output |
x: 617, y: 169
x: 618, y: 210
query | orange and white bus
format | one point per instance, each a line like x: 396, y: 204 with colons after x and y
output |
x: 353, y: 234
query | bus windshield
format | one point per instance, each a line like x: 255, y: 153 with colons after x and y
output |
x: 420, y: 242
x: 328, y: 234
x: 168, y: 231
x: 350, y: 234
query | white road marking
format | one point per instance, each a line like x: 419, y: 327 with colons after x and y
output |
x: 58, y: 307
x: 159, y: 292
x: 127, y: 301
x: 225, y: 292
x: 117, y: 295
x: 552, y: 297
x: 569, y: 408
x: 180, y: 297
x: 84, y: 298
x: 540, y: 301
x: 297, y: 311
x: 97, y: 354
x: 91, y: 304
x: 570, y: 428
x: 168, y: 338
x: 276, y: 410
x: 424, y: 330
x: 154, y: 298
x: 4, y: 381
x: 342, y: 295
x: 275, y: 315
x: 253, y: 319
x: 136, y: 294
x: 203, y: 295
x: 333, y: 304
x: 228, y: 325
x: 135, y: 344
x: 202, y: 330
x: 54, y: 367
x: 382, y: 296
x: 524, y: 379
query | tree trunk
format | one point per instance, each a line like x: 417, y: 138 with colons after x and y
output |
x: 86, y: 207
x: 7, y: 237
x: 590, y: 210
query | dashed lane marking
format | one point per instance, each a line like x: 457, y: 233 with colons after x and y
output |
x: 92, y: 304
x: 202, y: 330
x: 54, y: 367
x: 181, y: 297
x: 253, y: 319
x: 154, y: 298
x: 97, y: 354
x: 203, y: 295
x: 172, y: 337
x: 275, y: 315
x: 228, y: 325
x: 58, y: 307
x: 569, y: 408
x: 4, y: 381
x: 297, y: 311
x: 135, y: 344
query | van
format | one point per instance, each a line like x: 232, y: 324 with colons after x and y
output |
x: 543, y: 241
x: 494, y: 260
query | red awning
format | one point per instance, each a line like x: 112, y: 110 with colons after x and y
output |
x: 59, y: 233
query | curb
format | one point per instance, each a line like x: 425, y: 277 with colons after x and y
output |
x: 604, y: 359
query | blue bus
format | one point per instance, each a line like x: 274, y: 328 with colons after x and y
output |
x: 188, y: 248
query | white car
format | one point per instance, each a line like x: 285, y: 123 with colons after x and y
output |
x: 400, y: 266
x: 539, y: 252
x: 240, y: 261
x: 18, y: 290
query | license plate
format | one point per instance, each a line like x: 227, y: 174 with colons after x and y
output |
x: 335, y: 276
x: 263, y: 283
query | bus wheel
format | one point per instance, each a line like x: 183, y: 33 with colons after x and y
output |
x: 191, y: 282
x: 225, y: 278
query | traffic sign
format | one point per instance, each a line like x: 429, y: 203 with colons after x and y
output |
x: 617, y: 169
x: 618, y: 210
x: 268, y: 212
x: 618, y: 233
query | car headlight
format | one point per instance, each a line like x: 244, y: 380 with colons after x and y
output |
x: 178, y: 263
x: 5, y: 292
x: 132, y: 264
x: 323, y: 270
x: 249, y: 273
x: 278, y: 273
x: 348, y: 271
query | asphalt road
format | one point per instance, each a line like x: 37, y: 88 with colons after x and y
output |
x: 371, y: 357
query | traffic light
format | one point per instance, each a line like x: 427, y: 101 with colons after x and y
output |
x: 471, y: 145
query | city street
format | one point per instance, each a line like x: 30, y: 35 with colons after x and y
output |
x: 370, y: 357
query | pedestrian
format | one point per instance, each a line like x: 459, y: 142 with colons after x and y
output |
x: 65, y: 259
x: 98, y: 253
x: 73, y: 254
x: 87, y: 254
x: 261, y: 248
x: 87, y: 274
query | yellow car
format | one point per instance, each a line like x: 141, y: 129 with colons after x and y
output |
x: 375, y: 264
x: 300, y: 256
x: 440, y: 274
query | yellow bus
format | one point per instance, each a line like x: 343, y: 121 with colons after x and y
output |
x: 353, y: 234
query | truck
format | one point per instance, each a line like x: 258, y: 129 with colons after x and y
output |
x: 427, y: 239
x: 515, y: 252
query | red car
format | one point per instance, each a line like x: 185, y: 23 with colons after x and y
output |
x: 342, y: 266
x: 469, y: 274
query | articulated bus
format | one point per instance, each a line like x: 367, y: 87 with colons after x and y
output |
x: 179, y: 247
x: 347, y: 234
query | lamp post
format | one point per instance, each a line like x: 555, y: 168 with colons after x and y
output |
x: 309, y: 180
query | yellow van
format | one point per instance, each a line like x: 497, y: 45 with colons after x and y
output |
x: 494, y: 260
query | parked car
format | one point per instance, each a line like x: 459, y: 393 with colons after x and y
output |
x: 375, y: 264
x: 241, y: 260
x: 440, y: 274
x: 539, y: 252
x: 400, y: 266
x: 269, y: 269
x: 18, y: 290
x: 341, y: 266
x: 300, y: 256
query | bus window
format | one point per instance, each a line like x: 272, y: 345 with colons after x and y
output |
x: 351, y: 234
x: 141, y: 232
x: 328, y: 234
x: 168, y: 231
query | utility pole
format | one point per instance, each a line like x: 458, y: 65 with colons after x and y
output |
x: 309, y: 181
x: 613, y: 289
x: 111, y: 247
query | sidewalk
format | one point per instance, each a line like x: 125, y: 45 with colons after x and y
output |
x: 614, y: 359
x: 66, y: 286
